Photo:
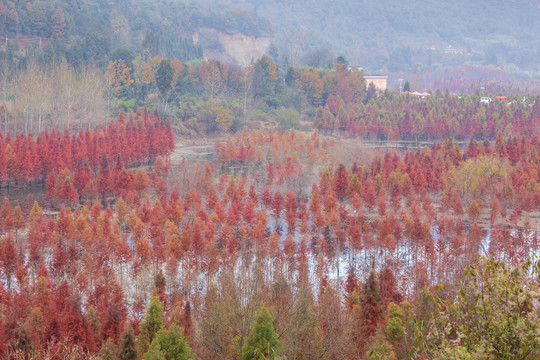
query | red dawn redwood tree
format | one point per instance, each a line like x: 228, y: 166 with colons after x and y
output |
x: 290, y: 211
x: 341, y: 182
x: 104, y: 182
x: 371, y: 313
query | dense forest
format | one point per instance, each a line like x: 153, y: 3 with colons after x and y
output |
x: 92, y: 29
x: 157, y: 203
x: 401, y: 36
x: 389, y: 36
x: 209, y: 97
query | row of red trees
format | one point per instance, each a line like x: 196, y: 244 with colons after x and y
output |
x: 511, y: 167
x: 404, y: 118
x: 27, y: 158
x: 514, y: 163
x: 262, y: 146
x: 83, y: 183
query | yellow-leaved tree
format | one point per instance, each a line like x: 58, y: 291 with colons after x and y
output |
x: 118, y: 75
x: 476, y: 176
x: 223, y: 117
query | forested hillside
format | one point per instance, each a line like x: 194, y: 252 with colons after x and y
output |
x: 386, y: 36
x: 90, y: 30
x: 410, y: 36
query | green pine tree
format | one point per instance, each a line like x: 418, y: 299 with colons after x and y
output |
x: 169, y: 345
x: 394, y: 327
x: 164, y: 78
x: 151, y: 325
x: 407, y: 86
x: 154, y: 353
x: 262, y: 342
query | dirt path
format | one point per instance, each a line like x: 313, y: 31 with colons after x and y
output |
x: 194, y: 149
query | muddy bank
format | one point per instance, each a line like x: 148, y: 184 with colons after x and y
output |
x: 197, y: 149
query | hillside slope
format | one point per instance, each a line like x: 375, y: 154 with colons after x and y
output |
x: 398, y: 36
x: 388, y: 36
x: 163, y: 28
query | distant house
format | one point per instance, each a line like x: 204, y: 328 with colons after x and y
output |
x: 451, y: 50
x: 421, y: 95
x: 379, y: 81
x: 486, y: 100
